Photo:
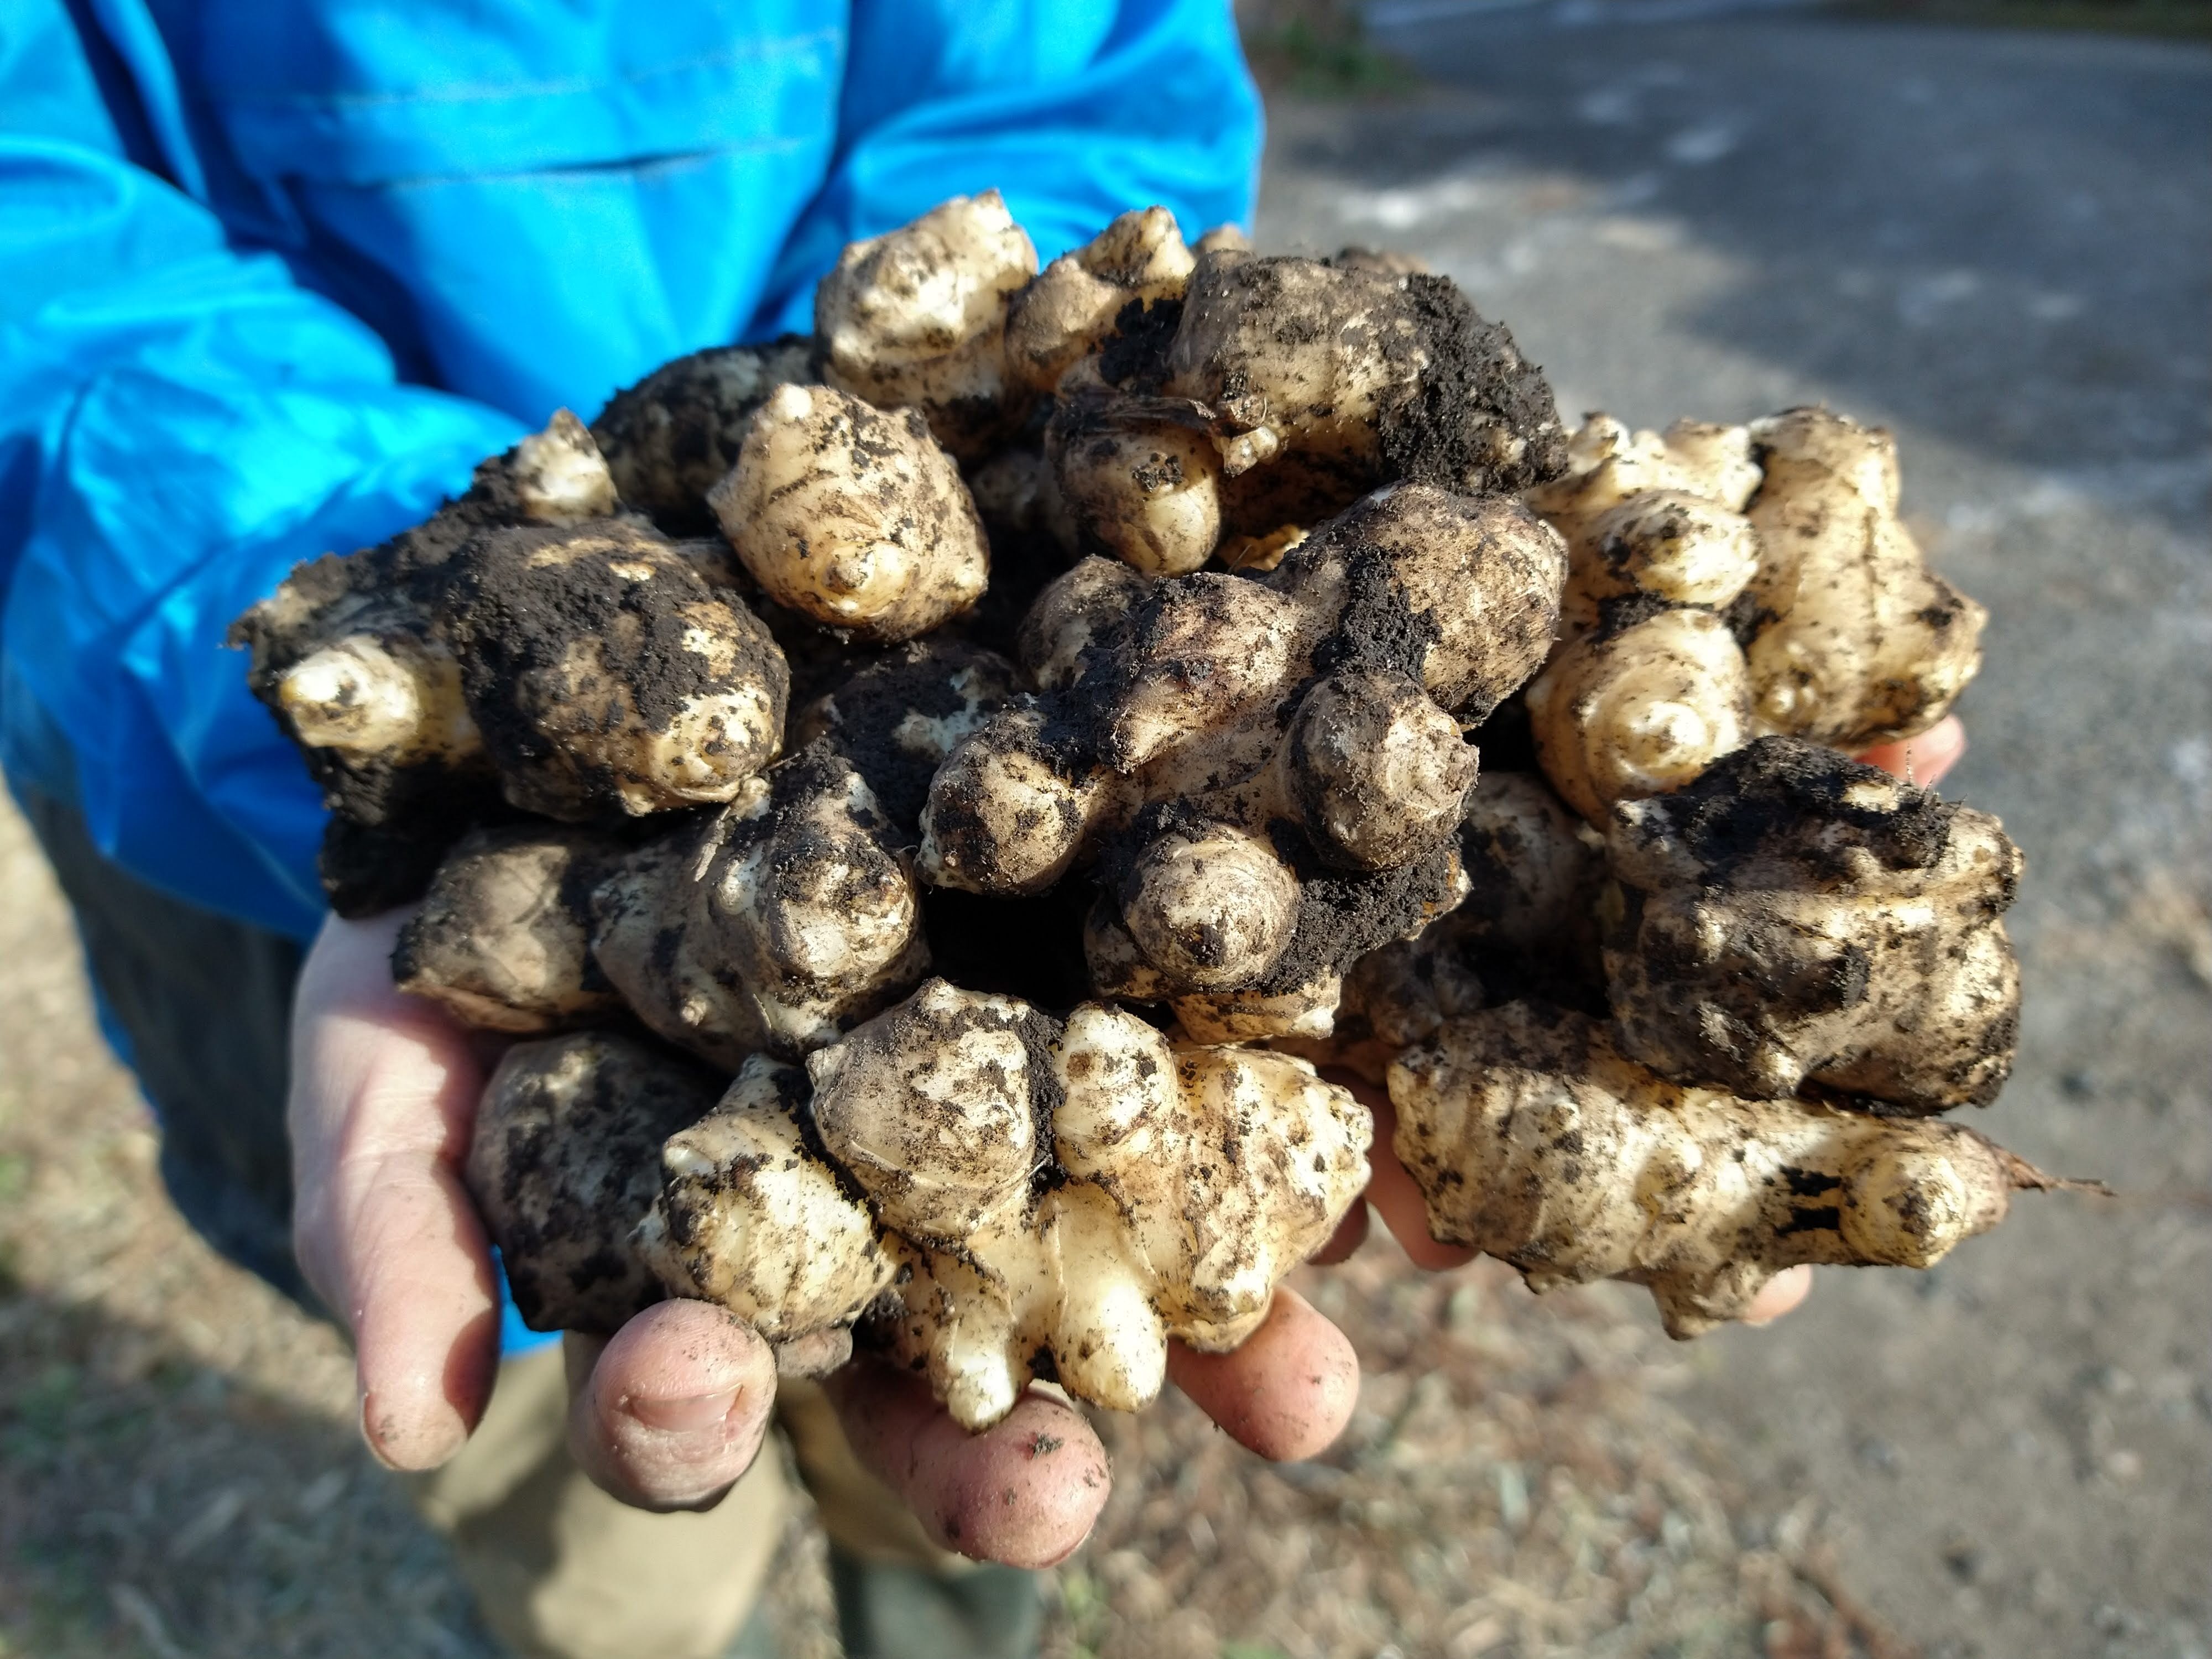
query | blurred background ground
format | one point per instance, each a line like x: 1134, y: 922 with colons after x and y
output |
x: 1998, y: 241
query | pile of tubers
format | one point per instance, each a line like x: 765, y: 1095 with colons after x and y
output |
x: 934, y: 800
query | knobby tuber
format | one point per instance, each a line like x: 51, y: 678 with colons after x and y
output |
x: 1079, y: 1189
x: 1728, y: 582
x: 916, y: 319
x: 523, y: 642
x: 1795, y: 917
x: 1535, y: 1139
x: 1163, y: 439
x: 1125, y: 633
x: 769, y: 925
x: 851, y: 515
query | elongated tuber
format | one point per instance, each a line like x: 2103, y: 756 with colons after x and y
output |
x: 1533, y: 1139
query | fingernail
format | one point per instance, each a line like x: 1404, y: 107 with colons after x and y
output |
x: 386, y: 1439
x: 369, y: 1432
x: 686, y: 1415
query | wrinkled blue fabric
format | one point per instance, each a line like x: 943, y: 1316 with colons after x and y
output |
x: 274, y: 276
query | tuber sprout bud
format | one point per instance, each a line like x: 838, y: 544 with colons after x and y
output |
x: 1378, y: 772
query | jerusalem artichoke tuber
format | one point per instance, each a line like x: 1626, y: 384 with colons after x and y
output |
x: 1535, y: 1139
x: 1795, y: 917
x: 1037, y: 1178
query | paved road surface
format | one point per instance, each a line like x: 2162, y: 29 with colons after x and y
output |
x: 2002, y: 246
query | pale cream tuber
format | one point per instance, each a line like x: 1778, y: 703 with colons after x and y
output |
x: 1533, y: 1139
x: 916, y: 319
x: 852, y: 516
x: 1078, y: 1189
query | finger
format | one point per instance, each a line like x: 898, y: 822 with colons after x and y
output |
x: 1287, y: 1393
x: 1024, y: 1492
x: 384, y: 1095
x: 668, y: 1412
x: 1392, y: 1192
x: 1351, y: 1233
x: 1779, y: 1295
x: 1925, y: 759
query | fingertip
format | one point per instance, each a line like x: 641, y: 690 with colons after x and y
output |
x: 1780, y: 1295
x: 1287, y: 1392
x: 674, y: 1405
x: 1024, y: 1492
x: 1398, y: 1199
x: 1925, y: 758
x: 415, y: 1417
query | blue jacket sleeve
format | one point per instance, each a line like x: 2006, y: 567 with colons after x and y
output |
x: 179, y: 424
x: 1076, y: 110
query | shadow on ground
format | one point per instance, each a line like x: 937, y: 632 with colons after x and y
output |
x: 2005, y: 240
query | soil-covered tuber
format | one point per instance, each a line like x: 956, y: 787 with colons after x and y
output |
x: 916, y: 319
x: 1535, y: 1139
x: 1389, y: 371
x: 669, y: 439
x: 1794, y: 918
x: 565, y: 1162
x: 770, y: 927
x: 1069, y: 310
x: 522, y: 642
x: 1274, y: 767
x: 1075, y: 1190
x: 503, y: 938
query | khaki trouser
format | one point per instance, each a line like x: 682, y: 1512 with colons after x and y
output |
x: 561, y: 1570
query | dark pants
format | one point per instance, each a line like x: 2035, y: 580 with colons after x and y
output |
x: 204, y: 1004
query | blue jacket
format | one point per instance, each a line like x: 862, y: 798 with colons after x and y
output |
x: 274, y: 274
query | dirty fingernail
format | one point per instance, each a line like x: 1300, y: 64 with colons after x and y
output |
x: 686, y: 1415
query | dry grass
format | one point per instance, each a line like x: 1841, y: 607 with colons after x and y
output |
x: 179, y: 1473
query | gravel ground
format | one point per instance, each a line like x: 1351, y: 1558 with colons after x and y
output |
x: 2001, y: 245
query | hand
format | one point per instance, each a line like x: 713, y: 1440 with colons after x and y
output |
x: 672, y: 1410
x: 1392, y: 1194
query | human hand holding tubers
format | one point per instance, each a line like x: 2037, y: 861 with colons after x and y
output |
x: 1145, y: 646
